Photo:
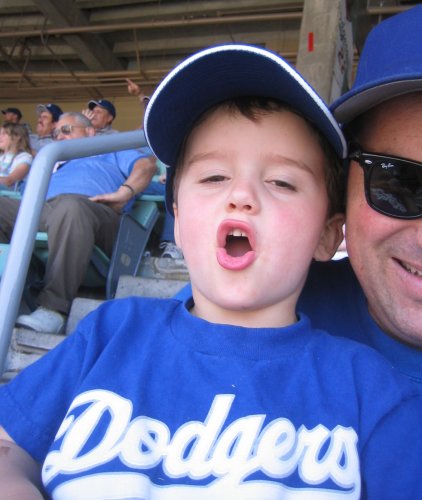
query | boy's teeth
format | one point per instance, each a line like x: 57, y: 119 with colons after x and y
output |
x: 237, y: 233
x: 412, y: 270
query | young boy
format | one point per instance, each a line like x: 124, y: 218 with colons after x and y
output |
x: 233, y: 396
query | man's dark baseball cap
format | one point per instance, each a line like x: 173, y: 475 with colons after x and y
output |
x: 15, y: 111
x: 390, y: 65
x: 103, y: 103
x: 54, y: 110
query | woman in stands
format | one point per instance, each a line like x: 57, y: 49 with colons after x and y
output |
x: 16, y: 157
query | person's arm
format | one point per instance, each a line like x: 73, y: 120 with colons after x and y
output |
x: 19, y: 172
x: 142, y: 172
x: 134, y: 89
x: 20, y: 474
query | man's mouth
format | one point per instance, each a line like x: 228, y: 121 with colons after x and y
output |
x: 411, y: 269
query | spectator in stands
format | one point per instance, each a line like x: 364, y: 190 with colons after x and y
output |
x: 14, y: 115
x: 101, y: 113
x: 48, y: 115
x: 84, y: 202
x: 16, y: 157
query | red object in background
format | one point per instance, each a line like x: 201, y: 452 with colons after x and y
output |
x: 310, y: 41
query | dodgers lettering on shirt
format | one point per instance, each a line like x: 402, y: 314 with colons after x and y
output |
x: 221, y: 456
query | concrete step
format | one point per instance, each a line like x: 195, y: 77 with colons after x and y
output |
x: 25, y: 348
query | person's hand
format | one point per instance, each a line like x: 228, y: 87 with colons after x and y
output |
x: 132, y: 87
x: 89, y: 113
x: 116, y: 200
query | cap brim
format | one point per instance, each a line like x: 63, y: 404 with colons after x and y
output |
x: 92, y: 104
x: 362, y: 99
x: 220, y: 73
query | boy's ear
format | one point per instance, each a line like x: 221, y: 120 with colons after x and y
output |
x: 331, y: 237
x: 176, y: 225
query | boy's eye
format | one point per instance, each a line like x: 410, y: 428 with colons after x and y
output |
x: 283, y: 184
x: 213, y: 179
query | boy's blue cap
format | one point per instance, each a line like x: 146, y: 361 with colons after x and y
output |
x: 390, y: 65
x: 220, y: 73
x: 54, y: 110
x: 103, y: 103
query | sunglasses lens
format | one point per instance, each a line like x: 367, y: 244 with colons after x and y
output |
x: 395, y: 188
x: 64, y: 129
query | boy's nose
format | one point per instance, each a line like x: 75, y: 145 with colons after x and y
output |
x: 243, y: 197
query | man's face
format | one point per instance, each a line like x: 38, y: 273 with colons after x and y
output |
x: 101, y: 117
x: 69, y: 128
x: 386, y: 253
x: 45, y: 124
x: 11, y: 117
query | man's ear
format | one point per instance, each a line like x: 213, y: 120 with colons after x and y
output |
x: 331, y: 237
x: 176, y: 225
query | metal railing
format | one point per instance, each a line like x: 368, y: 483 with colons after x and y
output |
x: 27, y: 222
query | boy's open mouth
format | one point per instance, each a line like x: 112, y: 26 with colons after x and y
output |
x: 237, y: 243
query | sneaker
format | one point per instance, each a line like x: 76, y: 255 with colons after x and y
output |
x: 171, y: 260
x: 42, y: 320
x: 171, y: 251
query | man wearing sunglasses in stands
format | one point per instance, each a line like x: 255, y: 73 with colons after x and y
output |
x: 83, y: 205
x: 380, y: 304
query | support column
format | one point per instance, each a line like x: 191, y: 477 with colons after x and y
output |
x: 325, y: 55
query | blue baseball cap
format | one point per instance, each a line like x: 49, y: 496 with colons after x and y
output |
x: 390, y: 65
x: 219, y: 73
x: 103, y: 103
x: 54, y: 110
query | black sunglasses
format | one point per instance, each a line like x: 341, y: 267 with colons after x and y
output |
x: 393, y: 185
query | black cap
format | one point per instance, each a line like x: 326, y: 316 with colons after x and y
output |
x: 15, y: 111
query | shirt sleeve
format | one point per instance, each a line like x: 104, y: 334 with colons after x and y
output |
x: 126, y: 159
x: 22, y: 158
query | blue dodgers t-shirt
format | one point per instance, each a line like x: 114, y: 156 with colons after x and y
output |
x: 145, y: 400
x: 334, y: 301
x: 93, y: 175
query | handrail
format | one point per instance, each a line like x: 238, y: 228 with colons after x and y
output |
x: 27, y: 222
